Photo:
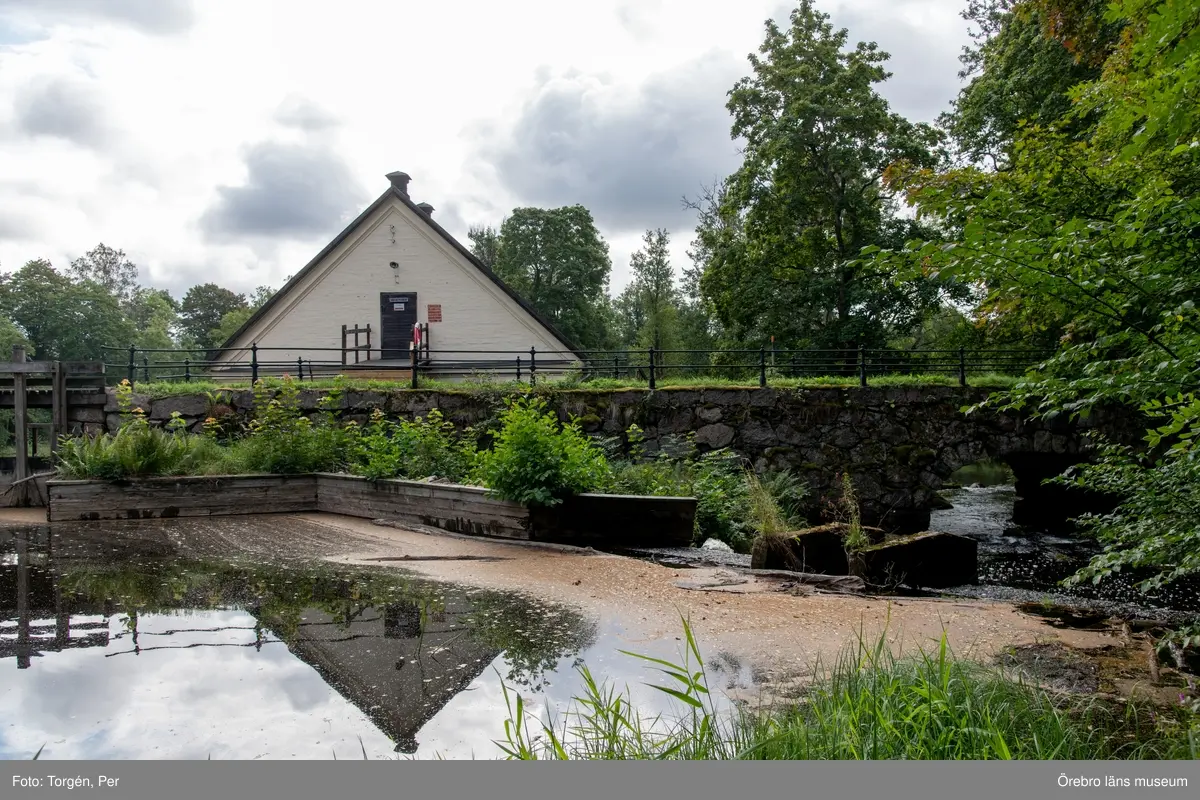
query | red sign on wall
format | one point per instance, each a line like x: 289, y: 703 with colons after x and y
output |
x: 434, y: 313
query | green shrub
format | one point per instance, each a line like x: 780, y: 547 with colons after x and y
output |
x: 138, y: 449
x: 536, y: 461
x: 424, y: 448
x: 765, y: 512
x: 856, y: 538
x: 283, y: 441
x: 718, y: 480
x: 722, y: 500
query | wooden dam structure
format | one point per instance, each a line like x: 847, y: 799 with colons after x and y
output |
x: 47, y: 399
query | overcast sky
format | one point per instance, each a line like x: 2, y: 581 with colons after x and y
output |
x: 229, y: 140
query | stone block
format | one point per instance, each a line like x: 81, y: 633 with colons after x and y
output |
x: 758, y: 435
x: 188, y: 405
x: 92, y: 415
x: 709, y: 413
x: 715, y: 436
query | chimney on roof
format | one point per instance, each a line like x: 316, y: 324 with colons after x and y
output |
x: 399, y: 181
x: 428, y: 209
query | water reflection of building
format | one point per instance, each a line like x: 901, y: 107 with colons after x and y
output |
x: 400, y: 664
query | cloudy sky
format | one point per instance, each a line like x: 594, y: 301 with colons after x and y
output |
x: 229, y: 140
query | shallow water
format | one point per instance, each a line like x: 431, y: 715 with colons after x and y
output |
x: 1025, y: 564
x: 135, y: 650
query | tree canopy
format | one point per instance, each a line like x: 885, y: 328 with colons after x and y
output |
x: 1092, y: 231
x: 558, y: 261
x: 783, y: 247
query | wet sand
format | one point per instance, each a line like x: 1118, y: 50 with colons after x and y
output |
x: 780, y: 632
x: 775, y: 629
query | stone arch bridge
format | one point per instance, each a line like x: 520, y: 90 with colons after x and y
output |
x: 898, y: 444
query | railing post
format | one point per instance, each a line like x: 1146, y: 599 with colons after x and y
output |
x: 254, y: 362
x: 533, y: 366
x: 862, y: 366
x: 652, y: 383
x: 187, y: 370
x: 616, y: 368
x: 412, y: 361
x: 518, y: 369
x: 762, y: 367
x: 132, y: 364
x: 344, y: 342
x: 300, y: 367
x: 146, y: 368
x: 962, y: 366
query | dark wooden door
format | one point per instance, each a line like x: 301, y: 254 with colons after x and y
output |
x: 397, y: 315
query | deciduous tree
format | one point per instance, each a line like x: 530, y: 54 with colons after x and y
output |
x: 558, y: 261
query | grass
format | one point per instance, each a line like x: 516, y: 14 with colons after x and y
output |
x: 869, y: 704
x: 474, y: 385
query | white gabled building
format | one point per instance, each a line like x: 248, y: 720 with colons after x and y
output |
x: 392, y: 268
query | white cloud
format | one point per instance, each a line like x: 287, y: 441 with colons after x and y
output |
x: 129, y: 124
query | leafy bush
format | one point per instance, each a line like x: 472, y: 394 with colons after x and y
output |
x: 424, y: 448
x: 281, y: 440
x: 722, y: 499
x: 138, y: 449
x: 718, y: 480
x: 536, y: 461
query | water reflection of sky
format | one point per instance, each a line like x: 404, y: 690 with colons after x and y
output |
x: 200, y: 688
x: 236, y: 660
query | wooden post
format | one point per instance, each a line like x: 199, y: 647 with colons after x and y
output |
x: 20, y: 429
x: 58, y: 400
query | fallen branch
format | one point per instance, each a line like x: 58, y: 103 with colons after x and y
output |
x: 26, y: 480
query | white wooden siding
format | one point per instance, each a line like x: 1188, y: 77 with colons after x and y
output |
x: 344, y: 289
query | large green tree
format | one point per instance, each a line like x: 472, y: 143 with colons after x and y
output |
x: 1101, y: 234
x: 784, y: 257
x: 109, y: 268
x: 203, y: 308
x: 485, y: 244
x: 61, y: 318
x: 155, y: 317
x: 558, y: 261
x: 1017, y: 76
x: 233, y: 320
x: 649, y: 305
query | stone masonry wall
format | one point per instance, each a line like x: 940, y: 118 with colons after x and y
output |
x: 898, y: 444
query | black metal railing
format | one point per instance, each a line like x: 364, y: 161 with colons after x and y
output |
x: 651, y: 365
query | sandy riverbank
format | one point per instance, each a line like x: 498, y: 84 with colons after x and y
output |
x: 779, y: 631
x: 774, y: 628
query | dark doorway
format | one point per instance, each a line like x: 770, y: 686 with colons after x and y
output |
x: 397, y: 315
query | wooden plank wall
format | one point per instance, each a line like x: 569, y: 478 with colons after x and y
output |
x: 459, y: 509
x: 148, y: 498
x: 603, y: 520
